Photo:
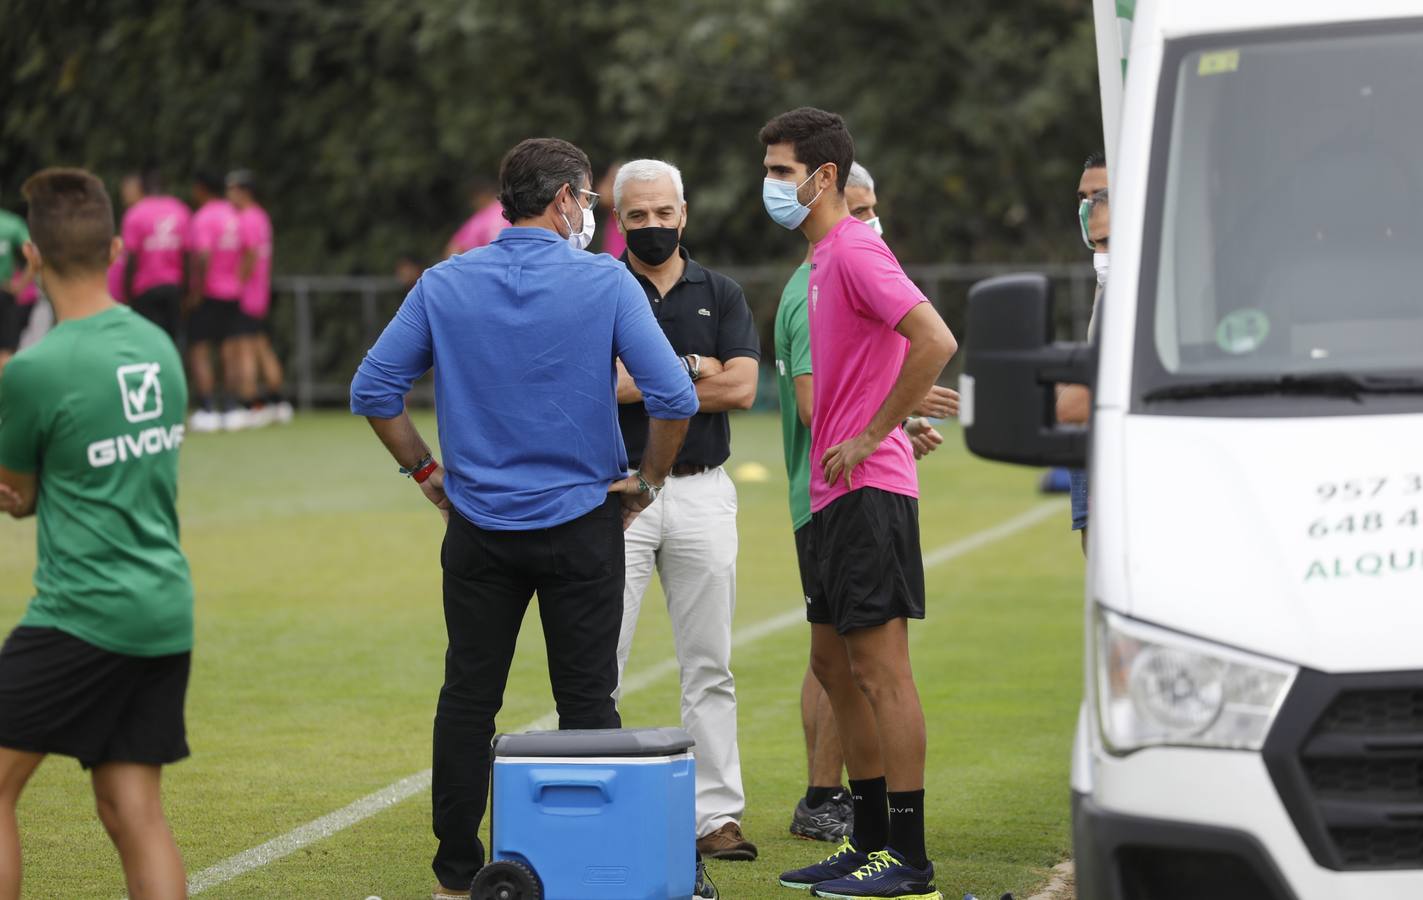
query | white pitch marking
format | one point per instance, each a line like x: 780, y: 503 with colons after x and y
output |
x: 405, y: 788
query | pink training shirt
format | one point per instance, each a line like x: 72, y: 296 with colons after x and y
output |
x: 154, y: 232
x: 481, y: 228
x: 858, y: 294
x: 213, y: 230
x: 255, y: 234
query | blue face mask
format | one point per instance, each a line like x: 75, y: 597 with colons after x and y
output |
x: 782, y: 201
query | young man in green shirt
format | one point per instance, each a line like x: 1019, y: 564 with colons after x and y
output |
x: 91, y: 419
x: 825, y: 813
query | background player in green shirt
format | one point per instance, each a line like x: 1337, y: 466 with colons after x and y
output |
x: 825, y: 812
x: 91, y: 419
x: 14, y: 278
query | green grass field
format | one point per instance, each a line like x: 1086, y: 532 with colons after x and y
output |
x: 320, y: 647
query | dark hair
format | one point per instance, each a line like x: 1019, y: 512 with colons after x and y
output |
x: 71, y: 220
x: 148, y: 179
x: 209, y: 181
x: 532, y: 174
x: 816, y: 137
x: 1097, y: 159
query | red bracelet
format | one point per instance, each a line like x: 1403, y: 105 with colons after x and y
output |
x: 420, y: 475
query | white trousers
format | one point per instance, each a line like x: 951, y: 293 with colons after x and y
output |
x: 689, y: 536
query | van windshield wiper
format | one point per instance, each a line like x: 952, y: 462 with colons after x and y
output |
x: 1324, y: 384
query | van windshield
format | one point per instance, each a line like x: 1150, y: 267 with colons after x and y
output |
x: 1291, y: 215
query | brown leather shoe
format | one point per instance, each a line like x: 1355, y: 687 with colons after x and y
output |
x: 727, y: 842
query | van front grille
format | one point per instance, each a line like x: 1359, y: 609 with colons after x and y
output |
x: 1346, y: 755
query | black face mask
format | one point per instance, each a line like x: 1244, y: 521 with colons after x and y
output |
x: 652, y: 245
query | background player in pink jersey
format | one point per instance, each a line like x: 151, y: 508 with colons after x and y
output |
x: 484, y: 226
x: 214, y: 292
x: 877, y: 347
x: 255, y: 233
x: 155, y: 228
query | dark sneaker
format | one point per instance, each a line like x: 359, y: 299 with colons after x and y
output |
x: 842, y: 862
x: 829, y: 822
x: 884, y: 875
x: 704, y: 889
x: 727, y: 842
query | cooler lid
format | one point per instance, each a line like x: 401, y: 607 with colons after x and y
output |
x: 595, y: 742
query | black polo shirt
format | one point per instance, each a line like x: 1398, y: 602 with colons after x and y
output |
x: 704, y: 313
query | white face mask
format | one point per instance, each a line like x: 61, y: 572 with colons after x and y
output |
x: 875, y: 224
x: 1099, y: 262
x: 580, y: 240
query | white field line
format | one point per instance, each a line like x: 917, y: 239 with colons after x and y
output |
x: 405, y: 788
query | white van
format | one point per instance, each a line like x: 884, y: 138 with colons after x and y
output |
x: 1252, y: 727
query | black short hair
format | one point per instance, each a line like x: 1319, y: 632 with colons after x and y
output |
x: 148, y: 178
x: 71, y: 220
x: 816, y: 137
x: 532, y: 174
x: 1097, y: 159
x: 210, y: 181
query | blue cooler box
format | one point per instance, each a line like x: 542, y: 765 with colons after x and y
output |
x: 600, y: 814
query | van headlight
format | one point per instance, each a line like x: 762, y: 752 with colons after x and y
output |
x: 1158, y: 687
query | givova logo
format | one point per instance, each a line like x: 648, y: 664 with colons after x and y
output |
x: 141, y: 391
x: 148, y: 442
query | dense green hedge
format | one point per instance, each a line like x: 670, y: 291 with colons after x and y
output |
x: 366, y: 117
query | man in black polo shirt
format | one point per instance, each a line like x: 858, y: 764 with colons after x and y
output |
x: 690, y: 538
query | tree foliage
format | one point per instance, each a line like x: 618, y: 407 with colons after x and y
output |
x: 366, y: 118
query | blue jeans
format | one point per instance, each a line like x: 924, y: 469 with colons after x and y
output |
x: 1078, y: 480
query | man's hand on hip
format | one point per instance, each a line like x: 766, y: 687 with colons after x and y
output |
x: 845, y: 456
x: 634, y: 499
x: 433, y: 488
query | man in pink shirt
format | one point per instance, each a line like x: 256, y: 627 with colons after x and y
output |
x: 877, y: 346
x: 484, y: 226
x: 155, y: 228
x: 214, y: 292
x: 255, y: 234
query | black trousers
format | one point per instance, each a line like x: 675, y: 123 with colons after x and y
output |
x: 163, y: 306
x: 577, y: 571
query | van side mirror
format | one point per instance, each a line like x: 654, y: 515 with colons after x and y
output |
x: 1011, y: 366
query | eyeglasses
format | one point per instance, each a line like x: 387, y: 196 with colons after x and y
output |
x: 593, y: 198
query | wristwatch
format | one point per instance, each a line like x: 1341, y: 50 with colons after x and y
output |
x: 646, y: 487
x: 693, y: 362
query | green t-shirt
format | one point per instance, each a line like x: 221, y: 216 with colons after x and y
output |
x: 792, y: 360
x: 96, y: 409
x: 13, y: 234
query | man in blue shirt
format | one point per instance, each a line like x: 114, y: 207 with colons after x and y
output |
x: 522, y: 335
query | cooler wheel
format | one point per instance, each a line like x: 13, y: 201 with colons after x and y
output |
x: 506, y: 880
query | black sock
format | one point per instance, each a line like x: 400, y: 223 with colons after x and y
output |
x: 906, y: 826
x: 871, y: 814
x: 275, y: 397
x: 205, y: 402
x: 816, y: 797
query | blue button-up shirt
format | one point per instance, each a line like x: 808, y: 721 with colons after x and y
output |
x: 522, y: 335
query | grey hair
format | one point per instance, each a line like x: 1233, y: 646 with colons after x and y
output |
x: 646, y: 170
x: 1098, y: 199
x: 860, y: 177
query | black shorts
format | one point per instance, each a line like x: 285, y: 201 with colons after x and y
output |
x: 248, y: 326
x: 163, y: 306
x: 215, y: 321
x: 817, y: 606
x: 59, y: 694
x: 866, y: 544
x: 14, y: 318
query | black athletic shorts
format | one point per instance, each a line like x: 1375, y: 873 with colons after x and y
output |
x: 59, y: 694
x: 13, y: 319
x: 215, y: 321
x: 817, y: 606
x: 866, y: 544
x: 163, y: 306
x: 248, y: 326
